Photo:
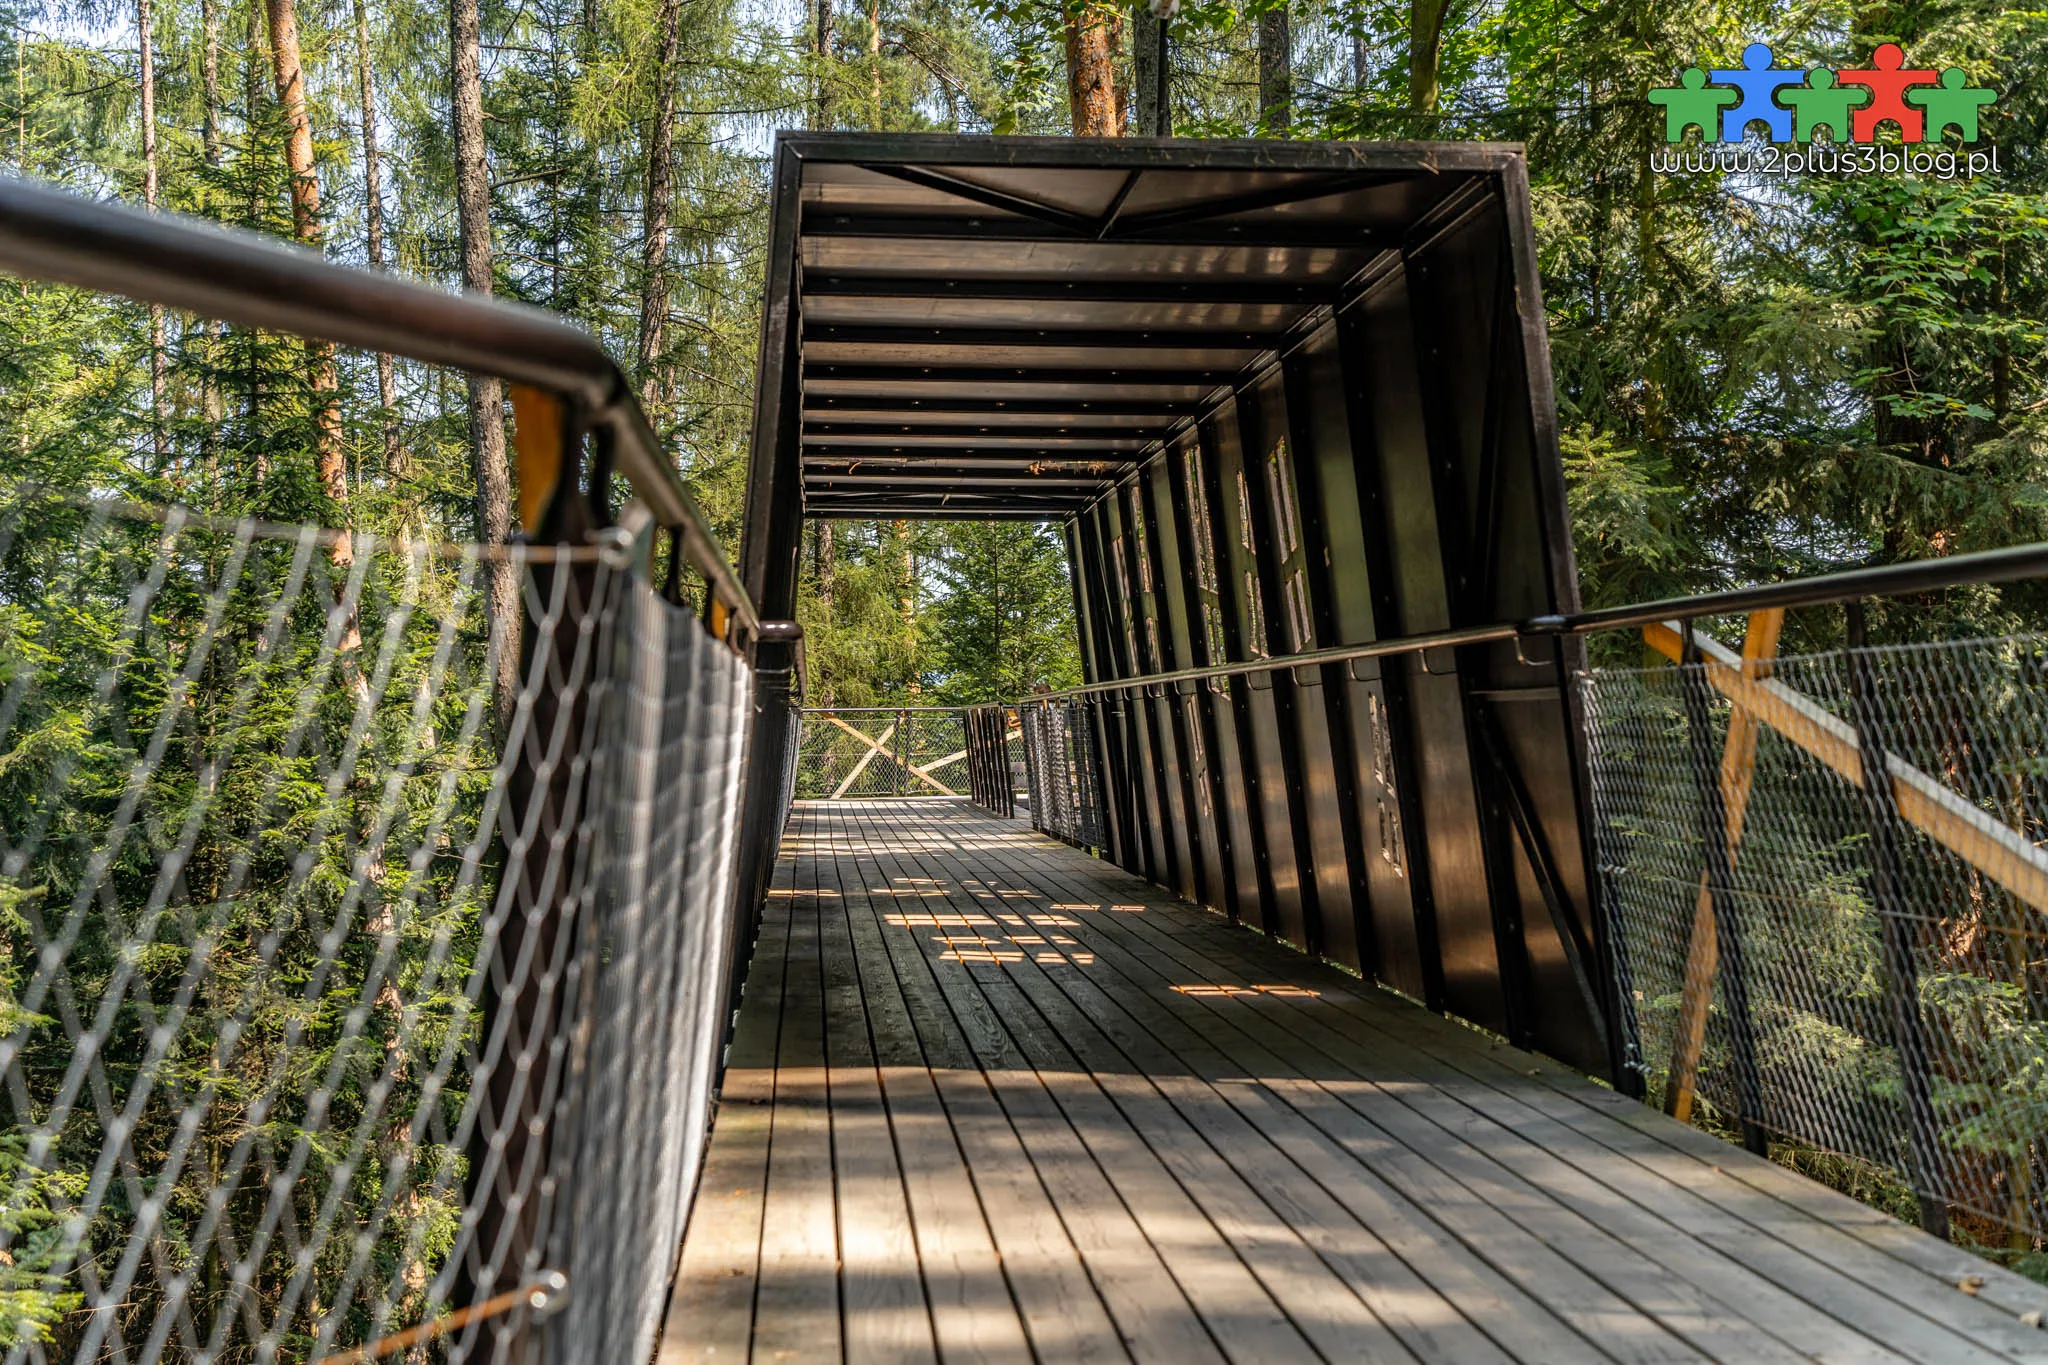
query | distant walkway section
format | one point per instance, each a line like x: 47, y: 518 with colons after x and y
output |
x: 993, y: 1100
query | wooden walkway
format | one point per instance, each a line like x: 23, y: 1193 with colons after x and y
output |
x: 993, y: 1100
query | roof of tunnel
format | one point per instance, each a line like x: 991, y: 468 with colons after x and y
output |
x: 1005, y: 328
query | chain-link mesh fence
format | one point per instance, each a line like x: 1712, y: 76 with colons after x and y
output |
x: 844, y: 753
x: 1061, y: 773
x: 1858, y: 969
x: 345, y: 993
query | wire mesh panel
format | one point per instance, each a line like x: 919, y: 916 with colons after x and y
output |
x: 852, y: 752
x: 346, y: 994
x: 1060, y: 771
x: 1861, y: 966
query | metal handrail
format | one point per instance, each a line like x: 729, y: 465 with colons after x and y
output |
x: 261, y: 282
x: 2008, y: 565
x: 892, y: 710
x: 1887, y: 580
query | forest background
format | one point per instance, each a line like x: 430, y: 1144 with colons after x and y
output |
x: 1757, y: 377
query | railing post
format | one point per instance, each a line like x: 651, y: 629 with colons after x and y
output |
x: 1887, y: 893
x: 1706, y: 768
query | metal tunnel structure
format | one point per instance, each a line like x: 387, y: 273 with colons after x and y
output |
x: 1282, y: 397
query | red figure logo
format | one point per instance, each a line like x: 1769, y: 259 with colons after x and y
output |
x: 1887, y: 86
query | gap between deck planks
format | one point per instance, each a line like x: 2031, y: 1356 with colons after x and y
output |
x: 990, y: 1099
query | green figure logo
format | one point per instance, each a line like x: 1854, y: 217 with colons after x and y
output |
x: 1793, y: 105
x: 1693, y: 105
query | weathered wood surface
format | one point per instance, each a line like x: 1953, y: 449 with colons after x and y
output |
x: 993, y: 1100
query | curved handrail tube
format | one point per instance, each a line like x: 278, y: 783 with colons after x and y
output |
x: 257, y: 281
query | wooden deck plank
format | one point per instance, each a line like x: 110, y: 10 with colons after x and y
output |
x: 1027, y: 1144
x: 1309, y: 1292
x: 1062, y: 1312
x: 884, y: 1316
x: 1086, y: 1155
x: 974, y: 1317
x: 710, y: 1314
x: 1802, y: 1256
x: 1428, y: 1325
x: 1622, y: 1243
x: 796, y: 1309
x: 1127, y: 1011
x: 1963, y: 1326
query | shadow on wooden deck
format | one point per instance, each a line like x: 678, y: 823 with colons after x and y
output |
x: 992, y: 1099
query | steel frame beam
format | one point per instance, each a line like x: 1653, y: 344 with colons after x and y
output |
x: 983, y: 228
x: 1107, y: 338
x: 1022, y: 455
x: 844, y: 406
x: 1001, y: 373
x: 954, y: 433
x: 846, y: 284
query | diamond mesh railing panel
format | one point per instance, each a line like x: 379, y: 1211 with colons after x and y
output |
x: 339, y: 999
x: 1059, y: 763
x: 847, y: 753
x: 1825, y: 959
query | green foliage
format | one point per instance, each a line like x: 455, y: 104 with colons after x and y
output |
x: 1006, y: 623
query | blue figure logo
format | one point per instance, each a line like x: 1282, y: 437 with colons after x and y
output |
x: 1758, y: 81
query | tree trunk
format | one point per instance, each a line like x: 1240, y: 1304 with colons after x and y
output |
x: 660, y: 190
x: 144, y: 26
x: 486, y: 394
x: 908, y: 588
x: 252, y: 103
x: 822, y: 560
x: 1146, y: 75
x: 253, y: 67
x: 875, y: 65
x: 209, y: 80
x: 329, y: 461
x: 1359, y: 71
x: 209, y: 77
x: 1093, y: 35
x: 828, y: 569
x: 821, y: 47
x: 395, y: 463
x: 1276, y: 73
x: 1425, y: 48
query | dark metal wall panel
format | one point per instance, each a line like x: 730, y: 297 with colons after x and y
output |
x: 1247, y: 631
x: 1366, y: 599
x: 1514, y: 562
x: 1432, y: 730
x: 1120, y: 794
x: 1314, y: 809
x: 1140, y: 752
x: 1339, y: 579
x: 1156, y: 707
x: 1230, y: 828
x: 1202, y: 866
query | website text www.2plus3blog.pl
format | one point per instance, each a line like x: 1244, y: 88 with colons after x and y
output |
x: 1824, y: 158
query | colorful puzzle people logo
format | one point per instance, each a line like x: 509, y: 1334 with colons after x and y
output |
x: 1793, y: 104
